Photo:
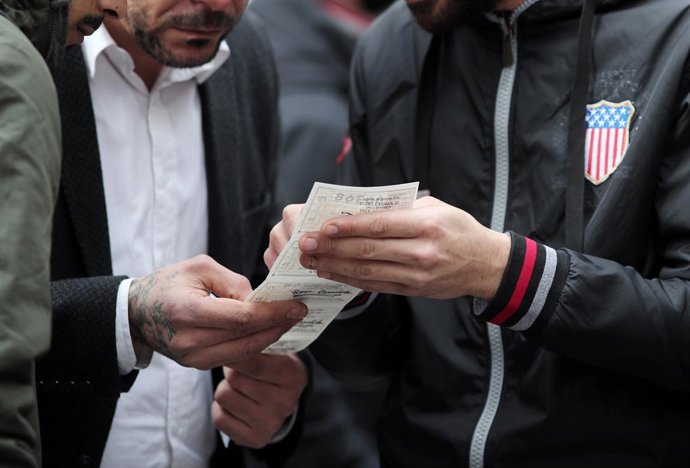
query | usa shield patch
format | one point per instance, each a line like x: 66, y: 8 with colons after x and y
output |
x: 608, y: 135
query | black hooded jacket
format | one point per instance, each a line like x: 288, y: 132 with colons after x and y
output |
x: 593, y: 369
x: 43, y: 22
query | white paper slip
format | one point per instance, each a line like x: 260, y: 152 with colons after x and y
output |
x: 324, y: 298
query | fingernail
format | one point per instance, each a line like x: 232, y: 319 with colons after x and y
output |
x: 312, y: 262
x: 309, y: 244
x: 331, y: 230
x: 297, y: 314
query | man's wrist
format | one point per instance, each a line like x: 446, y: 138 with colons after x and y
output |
x: 530, y: 287
x: 495, y: 266
x: 141, y: 350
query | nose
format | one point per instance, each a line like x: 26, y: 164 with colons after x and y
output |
x: 113, y: 8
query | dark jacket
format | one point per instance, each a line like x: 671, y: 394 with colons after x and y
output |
x: 313, y: 53
x: 602, y: 377
x: 29, y: 175
x: 79, y: 382
x: 44, y: 22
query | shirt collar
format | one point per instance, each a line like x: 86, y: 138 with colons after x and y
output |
x: 100, y: 42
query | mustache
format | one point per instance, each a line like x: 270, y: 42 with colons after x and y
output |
x: 202, y: 19
x: 93, y: 21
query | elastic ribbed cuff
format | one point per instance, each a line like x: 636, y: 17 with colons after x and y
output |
x: 530, y: 287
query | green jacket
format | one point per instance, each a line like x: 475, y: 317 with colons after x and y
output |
x: 30, y: 148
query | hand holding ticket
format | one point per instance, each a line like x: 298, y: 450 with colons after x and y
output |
x: 290, y: 280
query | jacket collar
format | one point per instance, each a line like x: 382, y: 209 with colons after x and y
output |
x: 101, y: 43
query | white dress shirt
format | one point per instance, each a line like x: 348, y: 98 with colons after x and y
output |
x: 152, y: 157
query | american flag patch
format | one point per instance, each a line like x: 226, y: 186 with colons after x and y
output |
x: 608, y: 134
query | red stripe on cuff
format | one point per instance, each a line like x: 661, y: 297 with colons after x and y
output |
x: 522, y: 283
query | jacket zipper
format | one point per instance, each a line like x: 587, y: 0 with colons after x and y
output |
x: 52, y: 41
x: 502, y: 177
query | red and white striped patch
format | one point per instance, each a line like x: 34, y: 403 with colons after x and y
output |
x: 608, y: 135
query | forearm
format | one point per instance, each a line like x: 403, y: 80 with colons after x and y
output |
x: 596, y: 311
x: 612, y: 317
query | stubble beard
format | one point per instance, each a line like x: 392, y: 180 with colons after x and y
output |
x: 440, y: 18
x: 151, y: 42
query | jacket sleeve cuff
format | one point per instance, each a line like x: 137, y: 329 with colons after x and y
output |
x: 126, y: 359
x: 530, y: 288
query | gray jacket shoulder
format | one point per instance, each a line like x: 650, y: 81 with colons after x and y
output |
x: 389, y: 56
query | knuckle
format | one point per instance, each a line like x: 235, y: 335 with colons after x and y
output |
x: 233, y: 383
x: 217, y: 414
x: 363, y: 271
x: 331, y: 245
x: 188, y: 309
x: 200, y: 262
x: 179, y: 345
x: 245, y: 352
x: 434, y: 227
x: 379, y: 227
x: 274, y: 235
x: 366, y: 248
x: 287, y: 211
x: 222, y: 391
x: 243, y: 282
x: 422, y: 280
x: 426, y: 258
x: 241, y: 319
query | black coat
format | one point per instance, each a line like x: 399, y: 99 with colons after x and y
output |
x: 602, y: 378
x: 78, y: 380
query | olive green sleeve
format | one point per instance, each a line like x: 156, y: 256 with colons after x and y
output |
x: 30, y: 147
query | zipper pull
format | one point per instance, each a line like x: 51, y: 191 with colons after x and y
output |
x: 507, y: 40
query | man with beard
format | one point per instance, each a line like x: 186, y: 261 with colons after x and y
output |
x: 168, y: 155
x: 534, y: 309
x: 32, y: 34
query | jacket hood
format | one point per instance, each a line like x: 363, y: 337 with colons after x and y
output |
x: 44, y: 22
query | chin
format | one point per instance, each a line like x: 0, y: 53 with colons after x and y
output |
x: 74, y: 38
